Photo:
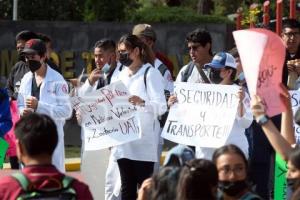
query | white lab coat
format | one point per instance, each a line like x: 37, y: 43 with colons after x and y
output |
x: 54, y: 102
x: 145, y: 148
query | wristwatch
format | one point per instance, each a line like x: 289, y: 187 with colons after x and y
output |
x: 262, y: 119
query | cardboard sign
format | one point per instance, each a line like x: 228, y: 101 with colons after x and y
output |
x: 262, y: 54
x: 108, y: 119
x: 203, y: 116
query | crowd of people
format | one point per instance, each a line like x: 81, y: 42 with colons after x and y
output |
x: 35, y: 104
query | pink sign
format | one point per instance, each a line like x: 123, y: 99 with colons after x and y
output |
x: 262, y: 59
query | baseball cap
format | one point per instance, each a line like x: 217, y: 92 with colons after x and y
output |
x: 221, y: 60
x: 34, y: 46
x: 179, y: 155
x: 144, y: 30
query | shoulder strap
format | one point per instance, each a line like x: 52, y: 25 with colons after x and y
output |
x: 22, y: 179
x: 162, y: 69
x: 203, y: 75
x: 67, y: 181
x: 187, y: 72
x: 145, y: 77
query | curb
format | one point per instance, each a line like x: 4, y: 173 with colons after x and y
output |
x: 73, y: 164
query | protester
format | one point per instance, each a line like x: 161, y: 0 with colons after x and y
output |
x: 223, y: 71
x: 37, y: 138
x: 199, y: 43
x: 232, y: 168
x: 198, y: 180
x: 146, y: 86
x: 19, y: 69
x: 283, y: 140
x: 5, y: 116
x: 106, y: 71
x: 178, y: 156
x: 107, y: 67
x: 48, y: 42
x: 291, y: 38
x: 146, y: 33
x: 44, y: 90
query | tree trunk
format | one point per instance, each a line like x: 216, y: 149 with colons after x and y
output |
x: 204, y: 7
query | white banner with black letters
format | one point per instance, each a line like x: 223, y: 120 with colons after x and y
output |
x: 108, y: 119
x: 203, y: 116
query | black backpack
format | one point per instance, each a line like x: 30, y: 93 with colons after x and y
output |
x: 163, y: 118
x: 65, y: 192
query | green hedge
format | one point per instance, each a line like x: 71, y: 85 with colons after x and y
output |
x: 173, y: 14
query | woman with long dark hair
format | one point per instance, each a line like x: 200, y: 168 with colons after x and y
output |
x: 136, y: 159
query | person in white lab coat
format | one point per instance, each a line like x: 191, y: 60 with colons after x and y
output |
x: 136, y: 159
x: 45, y: 91
x: 106, y: 71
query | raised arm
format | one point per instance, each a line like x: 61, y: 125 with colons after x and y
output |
x: 278, y: 142
x: 287, y: 127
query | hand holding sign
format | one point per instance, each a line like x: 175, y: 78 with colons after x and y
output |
x: 262, y: 53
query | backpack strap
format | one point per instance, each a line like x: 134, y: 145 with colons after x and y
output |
x: 187, y: 72
x: 22, y: 179
x: 162, y: 69
x: 145, y: 77
x: 67, y: 181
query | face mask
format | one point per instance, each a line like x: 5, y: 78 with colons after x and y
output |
x: 293, y: 183
x: 33, y: 65
x: 241, y: 76
x: 232, y: 188
x: 105, y: 68
x: 21, y: 57
x: 215, y: 77
x: 124, y: 59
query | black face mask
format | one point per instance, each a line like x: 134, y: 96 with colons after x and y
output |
x: 214, y: 76
x: 232, y: 188
x: 33, y: 65
x: 124, y: 59
x: 21, y: 56
x: 293, y: 183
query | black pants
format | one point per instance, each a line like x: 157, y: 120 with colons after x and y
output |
x: 133, y: 173
x: 262, y: 161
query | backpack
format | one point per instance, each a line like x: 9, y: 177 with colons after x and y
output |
x: 66, y: 192
x: 188, y: 71
x: 162, y: 68
x: 163, y: 118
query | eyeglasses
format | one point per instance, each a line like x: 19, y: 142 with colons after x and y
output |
x: 237, y: 170
x: 291, y: 34
x: 194, y: 47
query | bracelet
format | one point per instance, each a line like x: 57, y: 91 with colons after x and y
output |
x: 262, y: 119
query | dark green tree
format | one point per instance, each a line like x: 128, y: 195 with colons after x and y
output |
x: 109, y: 10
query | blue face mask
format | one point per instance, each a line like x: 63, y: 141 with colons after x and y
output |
x: 105, y: 69
x: 241, y: 76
